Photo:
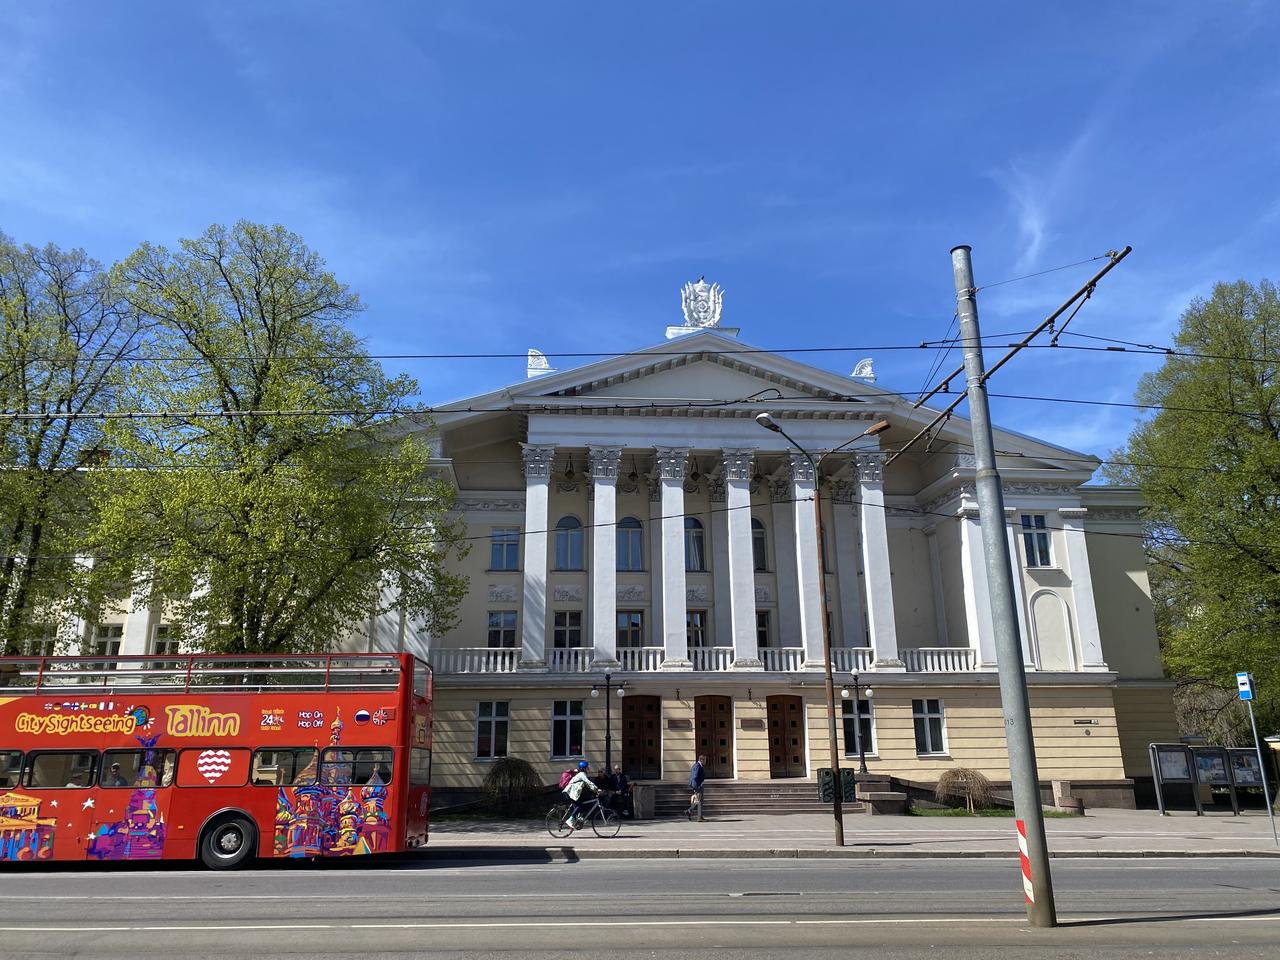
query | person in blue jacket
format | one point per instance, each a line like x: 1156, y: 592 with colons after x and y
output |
x: 697, y: 776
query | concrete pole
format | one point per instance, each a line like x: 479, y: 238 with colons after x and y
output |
x: 1041, y: 911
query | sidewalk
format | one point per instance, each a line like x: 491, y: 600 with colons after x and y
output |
x: 1102, y: 833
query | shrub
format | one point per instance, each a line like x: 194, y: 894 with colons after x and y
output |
x: 966, y: 784
x: 511, y: 786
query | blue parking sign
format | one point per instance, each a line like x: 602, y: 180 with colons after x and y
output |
x: 1244, y: 683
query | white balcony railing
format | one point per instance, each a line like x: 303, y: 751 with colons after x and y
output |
x: 641, y: 658
x: 711, y: 658
x: 475, y: 660
x: 938, y: 659
x: 851, y: 659
x: 782, y: 659
x: 569, y: 660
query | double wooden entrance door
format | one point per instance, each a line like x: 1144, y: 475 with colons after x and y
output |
x: 713, y: 731
x: 642, y: 737
x: 786, y: 736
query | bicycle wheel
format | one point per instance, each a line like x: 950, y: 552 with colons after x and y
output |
x: 556, y: 823
x: 606, y: 823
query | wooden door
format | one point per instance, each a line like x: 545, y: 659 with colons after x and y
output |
x: 786, y: 736
x: 713, y: 727
x: 642, y: 737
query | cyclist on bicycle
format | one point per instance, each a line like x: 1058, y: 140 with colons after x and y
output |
x: 574, y: 790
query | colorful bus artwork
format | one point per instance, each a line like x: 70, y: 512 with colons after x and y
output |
x: 216, y: 758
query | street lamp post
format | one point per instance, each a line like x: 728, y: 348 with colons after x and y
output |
x: 608, y: 727
x: 766, y: 421
x: 857, y: 724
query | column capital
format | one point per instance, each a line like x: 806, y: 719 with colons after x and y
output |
x: 670, y: 462
x: 801, y: 468
x: 537, y: 461
x: 737, y: 464
x: 602, y: 462
x: 870, y: 467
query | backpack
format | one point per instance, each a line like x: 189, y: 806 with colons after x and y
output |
x: 565, y: 778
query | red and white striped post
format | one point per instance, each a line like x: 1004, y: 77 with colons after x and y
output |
x: 1027, y: 888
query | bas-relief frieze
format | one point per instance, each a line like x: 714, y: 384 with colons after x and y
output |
x: 491, y: 504
x: 633, y: 593
x: 567, y: 593
x: 1018, y: 488
x: 697, y: 593
x: 502, y: 593
x: 762, y: 595
x: 1113, y: 515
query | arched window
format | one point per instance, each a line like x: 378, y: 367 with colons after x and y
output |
x: 695, y: 545
x: 568, y: 544
x: 759, y: 545
x: 630, y: 544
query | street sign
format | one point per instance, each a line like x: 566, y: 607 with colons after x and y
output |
x: 1244, y: 683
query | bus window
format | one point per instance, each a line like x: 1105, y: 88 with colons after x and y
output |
x: 61, y: 769
x: 420, y: 767
x: 10, y: 768
x: 343, y: 766
x: 138, y: 768
x: 284, y: 768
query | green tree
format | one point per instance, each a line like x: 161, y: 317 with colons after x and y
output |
x: 275, y: 497
x: 1208, y: 463
x: 64, y: 346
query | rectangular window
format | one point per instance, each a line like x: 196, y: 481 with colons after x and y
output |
x: 164, y: 643
x: 502, y: 628
x: 695, y: 628
x: 420, y: 767
x: 566, y: 728
x: 10, y: 769
x: 504, y: 548
x: 288, y: 767
x: 566, y: 631
x: 138, y: 768
x: 930, y: 727
x: 1035, y: 540
x: 759, y: 547
x: 106, y: 640
x: 43, y: 644
x: 64, y: 768
x: 493, y: 718
x: 630, y: 628
x: 763, y: 634
x: 340, y: 766
x: 859, y: 733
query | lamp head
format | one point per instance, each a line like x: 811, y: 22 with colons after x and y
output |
x: 880, y: 426
x: 766, y: 421
x: 844, y: 692
x: 595, y: 692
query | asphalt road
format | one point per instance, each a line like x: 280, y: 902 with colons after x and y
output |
x: 706, y: 909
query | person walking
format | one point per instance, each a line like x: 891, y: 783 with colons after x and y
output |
x: 697, y: 778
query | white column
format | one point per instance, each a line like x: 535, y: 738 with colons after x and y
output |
x: 853, y: 632
x: 1082, y: 588
x: 977, y: 599
x: 137, y: 623
x: 675, y: 641
x: 784, y: 561
x: 656, y: 566
x: 533, y: 632
x: 875, y: 562
x: 722, y: 610
x: 808, y: 566
x: 1019, y: 586
x: 603, y: 470
x: 935, y: 575
x: 742, y: 578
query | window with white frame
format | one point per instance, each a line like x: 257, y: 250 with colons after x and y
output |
x: 164, y: 642
x: 566, y: 728
x: 630, y: 628
x: 42, y: 643
x: 630, y: 539
x: 859, y: 726
x: 566, y: 629
x: 759, y: 546
x: 569, y: 544
x: 695, y: 628
x: 695, y: 545
x: 502, y: 628
x: 764, y: 636
x: 106, y: 640
x: 504, y: 548
x: 493, y: 720
x: 1035, y: 540
x: 930, y: 724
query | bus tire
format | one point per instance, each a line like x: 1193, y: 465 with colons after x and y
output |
x: 228, y: 842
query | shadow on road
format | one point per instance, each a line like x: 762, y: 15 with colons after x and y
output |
x: 1156, y: 918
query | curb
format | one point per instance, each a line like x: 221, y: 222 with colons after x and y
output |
x: 573, y: 854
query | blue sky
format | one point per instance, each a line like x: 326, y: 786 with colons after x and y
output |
x: 498, y: 176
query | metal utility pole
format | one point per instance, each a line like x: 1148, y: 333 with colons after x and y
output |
x: 1037, y: 882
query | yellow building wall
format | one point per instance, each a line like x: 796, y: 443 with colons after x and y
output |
x: 1145, y: 714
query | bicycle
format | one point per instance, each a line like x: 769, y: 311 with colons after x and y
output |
x: 605, y: 822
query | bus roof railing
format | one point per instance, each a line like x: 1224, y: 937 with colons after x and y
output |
x: 202, y: 673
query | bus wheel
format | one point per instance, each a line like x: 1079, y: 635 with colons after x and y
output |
x: 227, y: 843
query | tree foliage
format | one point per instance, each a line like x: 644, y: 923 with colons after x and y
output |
x: 1208, y: 463
x: 281, y: 499
x: 64, y: 346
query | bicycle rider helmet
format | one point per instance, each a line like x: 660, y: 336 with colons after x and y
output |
x: 582, y: 764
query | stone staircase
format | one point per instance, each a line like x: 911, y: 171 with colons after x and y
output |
x: 728, y: 798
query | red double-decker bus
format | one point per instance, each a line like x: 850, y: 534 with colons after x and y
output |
x: 220, y: 758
